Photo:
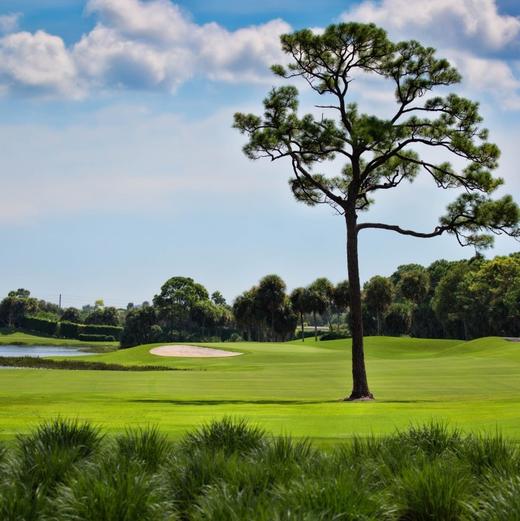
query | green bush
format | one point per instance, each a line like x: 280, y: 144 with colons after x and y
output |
x: 40, y: 325
x: 93, y: 329
x: 333, y: 335
x: 93, y: 338
x: 69, y: 330
x: 95, y: 332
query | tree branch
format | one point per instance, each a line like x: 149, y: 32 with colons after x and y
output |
x: 439, y: 230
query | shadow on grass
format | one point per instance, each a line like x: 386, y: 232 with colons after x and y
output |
x: 265, y: 402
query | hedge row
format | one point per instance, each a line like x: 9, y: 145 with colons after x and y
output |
x: 72, y: 330
x: 96, y: 338
x: 47, y: 363
x: 40, y: 325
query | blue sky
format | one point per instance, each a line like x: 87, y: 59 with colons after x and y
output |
x: 119, y: 167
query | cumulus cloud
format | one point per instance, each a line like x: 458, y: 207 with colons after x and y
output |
x: 470, y: 33
x: 37, y: 62
x: 158, y: 21
x: 489, y: 75
x: 470, y: 23
x: 138, y: 44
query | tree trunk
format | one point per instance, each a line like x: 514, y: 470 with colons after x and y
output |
x: 315, y: 327
x: 303, y: 330
x: 360, y: 390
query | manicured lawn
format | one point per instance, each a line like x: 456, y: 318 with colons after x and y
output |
x: 287, y: 388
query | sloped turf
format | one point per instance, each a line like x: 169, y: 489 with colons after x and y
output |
x: 291, y: 388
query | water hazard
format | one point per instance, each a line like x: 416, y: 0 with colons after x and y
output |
x: 38, y: 351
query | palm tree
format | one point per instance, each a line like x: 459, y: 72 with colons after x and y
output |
x: 301, y: 304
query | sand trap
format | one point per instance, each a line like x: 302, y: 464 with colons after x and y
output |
x: 191, y: 351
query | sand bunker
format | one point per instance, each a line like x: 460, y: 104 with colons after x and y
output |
x: 191, y: 351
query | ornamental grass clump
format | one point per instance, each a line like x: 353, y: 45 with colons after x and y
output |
x: 230, y: 471
x: 112, y: 490
x: 228, y: 434
x: 146, y: 445
x: 40, y: 462
x: 434, y: 490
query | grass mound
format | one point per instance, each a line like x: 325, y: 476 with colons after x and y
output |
x: 231, y: 471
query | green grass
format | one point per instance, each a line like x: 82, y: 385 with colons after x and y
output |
x: 7, y: 337
x: 293, y: 388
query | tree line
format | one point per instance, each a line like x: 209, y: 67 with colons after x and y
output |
x: 448, y: 299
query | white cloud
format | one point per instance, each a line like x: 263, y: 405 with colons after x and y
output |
x: 105, y: 59
x: 9, y: 22
x: 127, y: 160
x: 242, y: 55
x: 37, y: 62
x: 138, y: 44
x: 472, y: 34
x: 158, y: 21
x: 489, y: 75
x: 467, y: 22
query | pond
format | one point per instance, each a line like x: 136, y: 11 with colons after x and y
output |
x: 13, y: 350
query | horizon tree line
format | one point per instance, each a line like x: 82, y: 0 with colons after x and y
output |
x: 448, y: 299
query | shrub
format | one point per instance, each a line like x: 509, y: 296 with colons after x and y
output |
x: 235, y: 337
x: 94, y: 338
x: 40, y: 325
x: 69, y: 330
x: 89, y: 332
x: 334, y: 336
x: 94, y: 329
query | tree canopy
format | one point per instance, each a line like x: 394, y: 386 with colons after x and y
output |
x: 379, y: 153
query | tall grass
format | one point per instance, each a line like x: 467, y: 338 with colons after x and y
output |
x: 229, y: 435
x: 431, y: 491
x: 112, y: 490
x: 229, y: 470
x: 145, y: 445
x: 39, y: 463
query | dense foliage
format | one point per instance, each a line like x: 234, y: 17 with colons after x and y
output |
x: 449, y: 299
x: 458, y: 299
x: 231, y: 471
x: 182, y: 310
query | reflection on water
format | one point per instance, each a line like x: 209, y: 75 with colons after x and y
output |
x: 10, y: 350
